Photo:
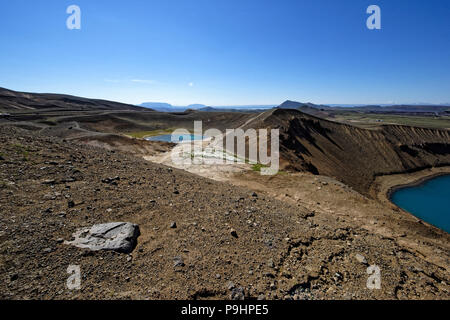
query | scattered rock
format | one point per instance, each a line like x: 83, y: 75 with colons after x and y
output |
x: 237, y: 294
x: 234, y: 233
x: 360, y: 258
x: 111, y: 180
x: 115, y: 236
x: 173, y: 225
x: 230, y: 285
x: 178, y: 262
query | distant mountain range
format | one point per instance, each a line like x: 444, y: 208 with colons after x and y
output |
x: 307, y: 107
x: 166, y: 107
x: 324, y: 110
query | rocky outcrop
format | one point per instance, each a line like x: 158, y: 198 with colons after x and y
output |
x: 115, y: 236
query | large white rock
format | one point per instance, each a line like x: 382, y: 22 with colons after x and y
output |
x: 116, y: 236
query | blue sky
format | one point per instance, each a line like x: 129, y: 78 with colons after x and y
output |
x: 227, y: 52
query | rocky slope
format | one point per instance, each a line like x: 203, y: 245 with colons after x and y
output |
x: 353, y: 155
x: 22, y: 101
x: 228, y: 241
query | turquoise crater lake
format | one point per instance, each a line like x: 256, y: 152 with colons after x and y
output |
x: 177, y: 138
x: 429, y: 201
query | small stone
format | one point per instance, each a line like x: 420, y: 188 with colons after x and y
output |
x: 47, y: 250
x: 337, y: 277
x: 14, y: 277
x: 270, y: 263
x: 218, y: 276
x: 178, y: 262
x: 60, y: 240
x: 360, y: 258
x: 238, y: 294
x: 49, y: 196
x: 234, y: 233
x: 70, y: 204
x: 173, y: 225
x: 230, y: 285
x: 254, y: 194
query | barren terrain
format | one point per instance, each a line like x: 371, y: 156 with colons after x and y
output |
x: 213, y: 233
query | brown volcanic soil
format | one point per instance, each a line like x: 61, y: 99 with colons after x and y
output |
x: 282, y: 251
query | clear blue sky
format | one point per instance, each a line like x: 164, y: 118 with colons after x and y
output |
x: 225, y: 52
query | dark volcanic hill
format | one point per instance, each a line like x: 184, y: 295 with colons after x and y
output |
x: 353, y: 155
x: 11, y: 101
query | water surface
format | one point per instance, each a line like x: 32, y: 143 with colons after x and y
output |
x: 176, y: 138
x: 429, y: 201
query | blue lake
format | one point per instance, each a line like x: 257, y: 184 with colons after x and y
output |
x: 429, y: 201
x: 177, y: 138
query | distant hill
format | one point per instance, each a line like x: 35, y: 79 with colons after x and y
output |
x: 288, y: 104
x: 308, y: 108
x: 232, y: 109
x: 166, y: 107
x: 323, y: 110
x: 196, y: 106
x: 156, y: 105
x: 11, y: 101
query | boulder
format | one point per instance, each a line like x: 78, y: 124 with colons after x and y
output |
x: 115, y: 236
